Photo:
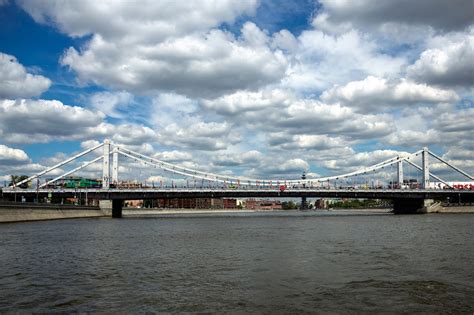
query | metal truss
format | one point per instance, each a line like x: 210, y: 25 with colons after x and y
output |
x: 234, y: 180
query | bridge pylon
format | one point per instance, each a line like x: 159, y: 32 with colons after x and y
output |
x: 115, y: 167
x: 106, y: 164
x: 400, y: 173
x: 425, y: 168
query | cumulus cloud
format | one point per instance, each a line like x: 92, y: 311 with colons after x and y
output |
x: 173, y: 156
x: 44, y: 121
x: 31, y: 121
x: 129, y: 21
x: 10, y: 156
x: 277, y: 168
x: 313, y: 117
x: 198, y: 135
x: 243, y: 101
x: 279, y: 116
x: 249, y: 158
x: 15, y: 81
x: 361, y: 159
x: 17, y: 162
x: 438, y: 14
x: 376, y: 94
x: 113, y: 104
x: 252, y: 101
x: 451, y: 65
x: 448, y: 129
x: 162, y: 47
x: 458, y: 121
x: 322, y: 60
x: 196, y: 65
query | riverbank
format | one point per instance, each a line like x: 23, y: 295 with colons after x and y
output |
x: 21, y: 212
x: 455, y: 209
x: 128, y: 212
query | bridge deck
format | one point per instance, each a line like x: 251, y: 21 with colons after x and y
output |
x: 155, y: 193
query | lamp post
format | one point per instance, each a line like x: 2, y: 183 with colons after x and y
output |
x: 303, y: 199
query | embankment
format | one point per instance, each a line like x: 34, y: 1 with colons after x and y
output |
x: 456, y: 209
x: 19, y: 212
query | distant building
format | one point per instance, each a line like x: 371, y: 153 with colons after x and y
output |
x: 320, y: 204
x: 230, y: 203
x: 253, y: 204
x: 133, y: 203
x: 196, y: 203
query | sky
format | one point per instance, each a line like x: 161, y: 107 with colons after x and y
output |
x: 262, y: 89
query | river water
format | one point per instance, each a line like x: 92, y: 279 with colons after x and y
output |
x: 298, y: 262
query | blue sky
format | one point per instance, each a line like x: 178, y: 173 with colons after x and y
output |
x: 256, y: 88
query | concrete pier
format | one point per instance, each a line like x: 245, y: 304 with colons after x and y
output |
x: 117, y: 206
x: 11, y: 212
x: 418, y: 206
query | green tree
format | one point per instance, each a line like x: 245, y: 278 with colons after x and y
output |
x: 16, y: 179
x: 288, y: 205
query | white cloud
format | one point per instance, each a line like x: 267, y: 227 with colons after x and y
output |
x: 322, y: 60
x: 132, y: 22
x: 376, y: 94
x: 367, y: 14
x: 89, y: 144
x: 312, y: 117
x: 198, y: 135
x: 173, y: 156
x: 16, y: 82
x: 361, y: 159
x: 164, y: 46
x: 30, y: 121
x: 44, y: 121
x: 458, y: 121
x: 247, y: 159
x: 196, y: 65
x: 287, y: 121
x: 451, y: 65
x: 113, y: 104
x: 10, y: 156
x: 244, y: 101
x: 255, y: 102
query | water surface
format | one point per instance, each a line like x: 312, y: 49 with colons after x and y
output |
x: 287, y: 262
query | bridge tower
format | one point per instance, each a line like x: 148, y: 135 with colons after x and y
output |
x: 115, y: 167
x: 426, y: 168
x: 106, y: 165
x: 400, y: 173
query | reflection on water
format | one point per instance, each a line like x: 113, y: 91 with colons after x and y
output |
x: 292, y: 263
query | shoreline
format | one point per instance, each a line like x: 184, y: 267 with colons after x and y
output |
x: 30, y: 212
x: 157, y: 211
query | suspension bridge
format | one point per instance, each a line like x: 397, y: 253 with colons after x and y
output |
x: 355, y: 184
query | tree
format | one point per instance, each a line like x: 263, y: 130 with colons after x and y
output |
x: 16, y: 179
x: 288, y: 205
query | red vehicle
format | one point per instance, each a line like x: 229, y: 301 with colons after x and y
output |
x: 282, y: 188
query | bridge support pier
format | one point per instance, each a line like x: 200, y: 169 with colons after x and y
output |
x: 304, y: 204
x: 117, y: 206
x: 413, y: 205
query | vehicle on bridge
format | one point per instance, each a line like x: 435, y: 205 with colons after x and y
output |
x: 455, y: 185
x: 82, y: 183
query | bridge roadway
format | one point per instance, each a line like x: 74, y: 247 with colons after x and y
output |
x: 156, y: 193
x: 404, y: 201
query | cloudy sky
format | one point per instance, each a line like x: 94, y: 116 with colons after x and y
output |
x: 257, y: 88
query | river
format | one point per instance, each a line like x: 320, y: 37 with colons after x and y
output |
x: 298, y: 262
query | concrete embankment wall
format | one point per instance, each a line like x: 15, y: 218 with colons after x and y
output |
x: 455, y: 209
x: 437, y: 207
x: 34, y: 212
